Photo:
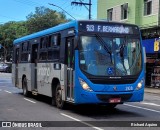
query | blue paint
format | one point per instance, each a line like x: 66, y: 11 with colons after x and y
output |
x: 48, y: 31
x: 149, y: 45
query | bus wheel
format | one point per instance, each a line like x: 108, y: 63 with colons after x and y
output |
x: 58, y: 97
x: 24, y: 85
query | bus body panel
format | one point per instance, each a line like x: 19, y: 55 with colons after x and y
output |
x: 24, y: 70
x: 41, y: 74
x: 46, y: 72
x: 106, y: 91
x: 85, y: 97
x: 45, y: 75
x: 31, y: 78
x: 13, y: 74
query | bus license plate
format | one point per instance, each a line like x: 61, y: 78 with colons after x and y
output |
x: 114, y: 100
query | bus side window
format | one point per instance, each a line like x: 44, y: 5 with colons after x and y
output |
x: 54, y: 52
x: 46, y: 40
x: 55, y: 40
x: 24, y: 51
x: 43, y: 55
x: 43, y: 48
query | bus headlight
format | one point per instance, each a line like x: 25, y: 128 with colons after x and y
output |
x: 139, y: 85
x: 84, y: 85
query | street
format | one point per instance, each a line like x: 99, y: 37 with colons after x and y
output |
x: 15, y: 107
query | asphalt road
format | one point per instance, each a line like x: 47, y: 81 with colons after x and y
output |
x: 15, y: 107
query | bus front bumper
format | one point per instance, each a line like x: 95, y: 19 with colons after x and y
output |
x: 85, y: 97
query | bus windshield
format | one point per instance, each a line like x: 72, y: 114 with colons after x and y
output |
x: 110, y: 56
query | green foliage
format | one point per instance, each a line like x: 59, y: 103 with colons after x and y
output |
x: 10, y: 31
x: 41, y: 19
x: 44, y: 18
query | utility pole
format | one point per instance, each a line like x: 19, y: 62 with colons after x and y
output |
x: 62, y: 9
x: 82, y: 3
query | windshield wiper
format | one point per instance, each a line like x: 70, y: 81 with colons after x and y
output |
x: 104, y: 44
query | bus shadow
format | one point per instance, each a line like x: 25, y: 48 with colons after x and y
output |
x: 92, y: 111
x: 102, y: 112
x: 40, y: 98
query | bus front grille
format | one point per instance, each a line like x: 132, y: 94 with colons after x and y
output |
x: 106, y: 97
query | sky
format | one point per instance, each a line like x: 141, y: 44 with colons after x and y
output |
x: 17, y: 10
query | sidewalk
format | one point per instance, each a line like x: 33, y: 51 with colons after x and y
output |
x: 152, y: 90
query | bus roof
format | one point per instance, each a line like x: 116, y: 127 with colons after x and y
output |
x: 47, y: 31
x: 60, y: 27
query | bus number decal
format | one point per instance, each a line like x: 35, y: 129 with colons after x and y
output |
x: 90, y: 28
x: 129, y: 88
x: 44, y: 71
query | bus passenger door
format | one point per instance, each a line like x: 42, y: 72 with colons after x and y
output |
x: 34, y: 58
x: 16, y: 66
x: 70, y: 66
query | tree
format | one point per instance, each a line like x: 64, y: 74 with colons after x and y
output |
x: 44, y: 18
x: 8, y: 33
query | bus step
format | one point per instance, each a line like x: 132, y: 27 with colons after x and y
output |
x: 34, y: 92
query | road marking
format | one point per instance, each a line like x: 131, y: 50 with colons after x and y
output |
x: 142, y: 108
x: 0, y: 90
x: 5, y: 82
x: 97, y: 128
x: 155, y: 97
x: 29, y: 100
x: 7, y: 91
x: 152, y: 104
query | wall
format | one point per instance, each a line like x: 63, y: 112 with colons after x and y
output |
x: 135, y: 11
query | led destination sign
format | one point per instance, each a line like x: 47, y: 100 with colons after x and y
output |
x: 108, y: 28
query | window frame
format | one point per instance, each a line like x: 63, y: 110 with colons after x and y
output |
x: 49, y: 47
x: 124, y: 12
x: 147, y: 9
x: 110, y: 14
x: 54, y: 46
x: 25, y: 48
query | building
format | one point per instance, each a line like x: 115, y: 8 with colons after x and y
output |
x: 145, y: 14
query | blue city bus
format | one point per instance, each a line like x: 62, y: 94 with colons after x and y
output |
x: 82, y: 62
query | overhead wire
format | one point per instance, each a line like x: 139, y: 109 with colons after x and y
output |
x: 31, y: 3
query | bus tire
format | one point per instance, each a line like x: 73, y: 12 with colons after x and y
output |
x: 58, y: 97
x: 53, y: 101
x: 24, y: 86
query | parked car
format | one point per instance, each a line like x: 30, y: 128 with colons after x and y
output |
x: 5, y: 67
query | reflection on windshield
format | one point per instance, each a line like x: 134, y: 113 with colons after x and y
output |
x: 122, y: 56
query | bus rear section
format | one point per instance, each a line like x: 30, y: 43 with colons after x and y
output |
x: 109, y: 65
